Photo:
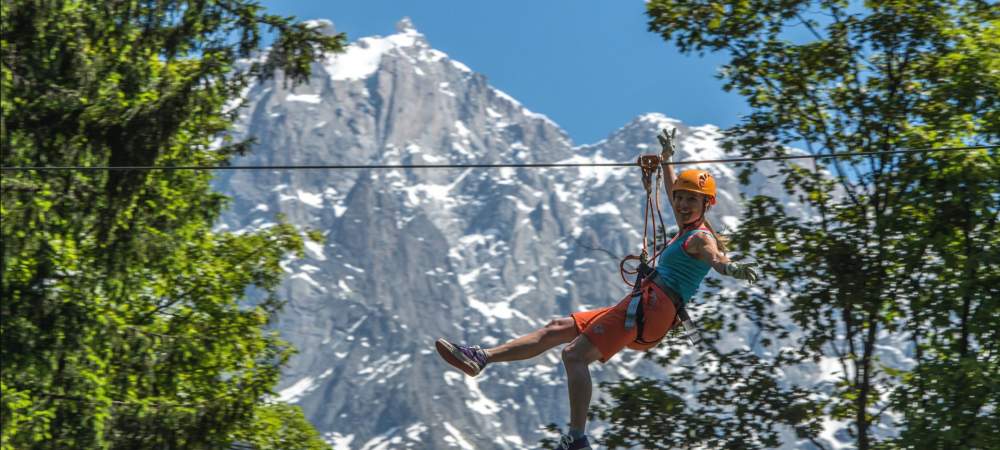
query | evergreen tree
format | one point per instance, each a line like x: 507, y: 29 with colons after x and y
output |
x: 124, y: 320
x: 898, y: 248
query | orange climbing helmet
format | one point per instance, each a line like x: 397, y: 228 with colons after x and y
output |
x: 699, y: 181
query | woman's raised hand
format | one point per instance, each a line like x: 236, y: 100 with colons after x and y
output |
x: 667, y: 144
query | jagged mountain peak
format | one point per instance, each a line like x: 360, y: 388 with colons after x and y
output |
x: 638, y: 136
x: 408, y: 58
x: 655, y: 120
x: 355, y: 99
x: 405, y: 25
x: 362, y: 57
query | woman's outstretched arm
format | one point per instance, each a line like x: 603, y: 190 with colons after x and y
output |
x: 703, y: 247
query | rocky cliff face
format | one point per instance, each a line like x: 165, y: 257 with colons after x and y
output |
x: 475, y: 255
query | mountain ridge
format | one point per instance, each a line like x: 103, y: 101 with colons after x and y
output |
x: 474, y: 255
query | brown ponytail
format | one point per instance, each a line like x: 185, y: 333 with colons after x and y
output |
x: 720, y: 240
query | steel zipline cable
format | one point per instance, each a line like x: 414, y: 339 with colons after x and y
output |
x: 496, y: 165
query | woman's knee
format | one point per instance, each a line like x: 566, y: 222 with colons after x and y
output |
x: 580, y: 351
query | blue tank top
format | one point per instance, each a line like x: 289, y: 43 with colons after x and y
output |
x: 680, y: 271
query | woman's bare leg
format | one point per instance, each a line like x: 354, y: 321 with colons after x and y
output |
x: 556, y: 332
x: 577, y: 357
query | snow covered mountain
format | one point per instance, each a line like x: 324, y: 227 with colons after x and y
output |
x: 474, y: 255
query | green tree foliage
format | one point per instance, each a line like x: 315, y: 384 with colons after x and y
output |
x: 124, y: 320
x: 280, y: 426
x: 896, y: 248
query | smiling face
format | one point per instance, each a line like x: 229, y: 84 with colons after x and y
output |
x: 688, y: 206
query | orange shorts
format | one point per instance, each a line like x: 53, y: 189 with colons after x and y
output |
x: 605, y: 327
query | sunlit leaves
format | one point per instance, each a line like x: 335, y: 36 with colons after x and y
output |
x: 894, y: 249
x: 123, y: 320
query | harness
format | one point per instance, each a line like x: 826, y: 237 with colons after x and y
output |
x: 646, y: 272
x: 691, y: 330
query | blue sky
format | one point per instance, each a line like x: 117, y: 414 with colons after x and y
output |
x: 589, y: 65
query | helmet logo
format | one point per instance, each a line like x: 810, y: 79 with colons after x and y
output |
x: 702, y: 179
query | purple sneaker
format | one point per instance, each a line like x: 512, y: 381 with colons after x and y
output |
x: 470, y: 360
x: 567, y: 442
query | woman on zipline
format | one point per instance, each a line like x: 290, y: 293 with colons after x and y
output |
x: 598, y: 334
